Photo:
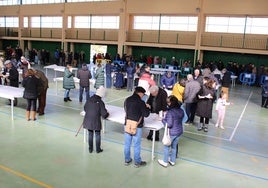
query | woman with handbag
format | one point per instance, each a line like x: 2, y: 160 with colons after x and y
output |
x: 173, y: 121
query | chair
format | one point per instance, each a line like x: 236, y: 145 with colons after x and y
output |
x: 157, y: 66
x: 247, y: 79
x: 263, y: 79
x: 185, y: 71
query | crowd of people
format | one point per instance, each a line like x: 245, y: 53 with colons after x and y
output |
x: 34, y: 81
x: 177, y: 101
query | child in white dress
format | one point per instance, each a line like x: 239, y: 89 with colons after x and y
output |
x: 221, y: 108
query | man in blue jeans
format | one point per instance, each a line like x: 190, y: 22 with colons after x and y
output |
x: 136, y: 110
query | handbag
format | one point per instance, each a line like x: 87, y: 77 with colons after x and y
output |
x: 166, y: 138
x: 131, y: 126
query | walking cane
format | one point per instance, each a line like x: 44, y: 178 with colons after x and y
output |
x: 79, y: 129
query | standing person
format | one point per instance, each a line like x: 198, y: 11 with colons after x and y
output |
x: 198, y: 77
x: 108, y: 71
x: 99, y: 76
x: 225, y: 82
x: 146, y: 80
x: 84, y: 75
x: 11, y: 76
x: 68, y: 82
x: 192, y: 87
x: 95, y: 109
x: 178, y: 90
x: 31, y: 84
x: 42, y: 91
x: 130, y: 70
x: 135, y: 109
x: 157, y: 103
x: 206, y: 98
x: 264, y: 100
x: 173, y: 119
x: 221, y: 108
x: 2, y: 67
x: 24, y: 65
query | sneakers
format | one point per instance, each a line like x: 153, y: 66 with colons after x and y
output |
x: 216, y: 125
x: 221, y: 127
x: 171, y: 163
x: 162, y: 163
x: 128, y: 162
x: 142, y: 163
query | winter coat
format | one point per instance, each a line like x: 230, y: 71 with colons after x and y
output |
x: 31, y: 85
x: 265, y: 89
x: 205, y: 105
x: 135, y: 109
x: 146, y: 76
x: 160, y: 101
x: 68, y: 79
x: 226, y: 79
x: 84, y: 75
x: 13, y: 76
x: 95, y: 109
x: 130, y: 72
x: 99, y: 76
x: 178, y: 92
x: 173, y: 118
x: 43, y: 80
x: 191, y: 89
x: 168, y: 82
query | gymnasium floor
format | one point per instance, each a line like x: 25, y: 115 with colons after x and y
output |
x: 46, y: 153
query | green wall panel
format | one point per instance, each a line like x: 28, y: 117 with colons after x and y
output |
x: 112, y: 49
x: 6, y: 43
x: 50, y: 46
x: 239, y: 58
x: 179, y: 54
x: 78, y: 47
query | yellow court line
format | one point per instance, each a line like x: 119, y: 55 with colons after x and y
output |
x: 25, y: 177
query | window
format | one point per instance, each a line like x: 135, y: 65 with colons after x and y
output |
x: 105, y: 22
x: 225, y: 24
x: 176, y: 23
x: 41, y: 1
x: 88, y: 0
x: 97, y: 22
x: 247, y: 25
x: 9, y: 22
x: 10, y: 2
x: 257, y: 26
x: 170, y: 23
x: 146, y: 22
x: 25, y: 22
x: 46, y: 22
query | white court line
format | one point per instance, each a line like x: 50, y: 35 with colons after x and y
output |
x: 238, y: 122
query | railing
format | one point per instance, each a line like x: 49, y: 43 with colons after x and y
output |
x: 238, y: 41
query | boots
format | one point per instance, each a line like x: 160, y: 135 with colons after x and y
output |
x: 33, y: 113
x: 205, y: 127
x: 28, y: 115
x: 200, y: 126
x: 68, y: 98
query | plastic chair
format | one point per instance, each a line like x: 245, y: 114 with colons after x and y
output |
x: 247, y: 79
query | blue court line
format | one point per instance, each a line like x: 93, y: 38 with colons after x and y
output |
x: 203, y: 142
x: 160, y: 153
x: 225, y: 148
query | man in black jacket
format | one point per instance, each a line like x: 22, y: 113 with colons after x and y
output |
x: 136, y: 110
x: 158, y: 104
x: 11, y: 76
